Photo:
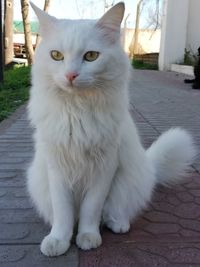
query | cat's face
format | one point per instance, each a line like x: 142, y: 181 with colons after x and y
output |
x: 81, y: 54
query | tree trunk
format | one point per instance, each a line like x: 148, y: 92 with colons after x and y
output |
x: 46, y: 5
x: 27, y: 31
x: 1, y: 46
x: 8, y: 31
x: 134, y: 45
x: 124, y: 32
x: 46, y: 9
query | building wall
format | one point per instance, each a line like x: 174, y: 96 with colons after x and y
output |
x: 148, y: 41
x: 180, y: 30
x: 193, y: 29
x: 19, y: 38
x: 174, y: 32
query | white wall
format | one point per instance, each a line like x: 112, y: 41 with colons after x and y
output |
x: 148, y: 41
x: 193, y: 29
x: 174, y: 32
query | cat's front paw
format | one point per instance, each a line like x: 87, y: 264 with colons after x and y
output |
x: 52, y: 246
x: 88, y: 241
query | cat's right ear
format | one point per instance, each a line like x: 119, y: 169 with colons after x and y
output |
x: 46, y: 22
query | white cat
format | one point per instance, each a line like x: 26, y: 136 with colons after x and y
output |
x: 89, y: 164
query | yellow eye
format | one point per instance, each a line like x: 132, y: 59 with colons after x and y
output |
x: 91, y: 56
x: 57, y: 55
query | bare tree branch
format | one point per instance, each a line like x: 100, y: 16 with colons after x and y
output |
x: 27, y: 30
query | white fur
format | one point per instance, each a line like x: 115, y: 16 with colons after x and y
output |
x: 172, y: 155
x: 89, y: 162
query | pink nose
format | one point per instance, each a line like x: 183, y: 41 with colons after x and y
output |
x: 71, y: 76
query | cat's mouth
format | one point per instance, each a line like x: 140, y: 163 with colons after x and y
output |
x: 67, y: 86
x: 75, y: 87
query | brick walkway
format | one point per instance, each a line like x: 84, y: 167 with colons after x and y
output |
x: 166, y: 234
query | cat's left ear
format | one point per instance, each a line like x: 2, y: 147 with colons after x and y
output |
x: 111, y: 21
x: 46, y: 22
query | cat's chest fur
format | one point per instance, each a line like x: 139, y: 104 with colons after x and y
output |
x: 80, y: 140
x: 78, y: 131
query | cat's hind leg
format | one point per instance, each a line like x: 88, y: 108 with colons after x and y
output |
x: 129, y: 194
x: 133, y: 183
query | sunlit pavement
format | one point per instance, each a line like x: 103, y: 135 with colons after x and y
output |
x: 166, y: 234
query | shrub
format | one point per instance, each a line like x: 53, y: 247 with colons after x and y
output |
x: 14, y: 91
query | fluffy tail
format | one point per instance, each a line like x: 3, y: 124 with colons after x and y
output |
x: 172, y: 154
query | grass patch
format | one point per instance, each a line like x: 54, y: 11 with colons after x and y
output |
x: 14, y: 91
x: 139, y: 64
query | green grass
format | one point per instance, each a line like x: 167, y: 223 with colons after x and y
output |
x: 139, y: 64
x: 14, y: 91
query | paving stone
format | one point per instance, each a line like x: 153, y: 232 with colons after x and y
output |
x: 167, y: 232
x: 28, y: 256
x: 163, y: 234
x: 143, y: 255
x: 20, y: 203
x: 18, y: 181
x: 26, y: 216
x: 20, y: 233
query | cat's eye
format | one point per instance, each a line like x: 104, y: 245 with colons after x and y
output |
x: 91, y: 56
x: 57, y: 55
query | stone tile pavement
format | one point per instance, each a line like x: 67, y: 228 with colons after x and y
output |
x: 166, y: 234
